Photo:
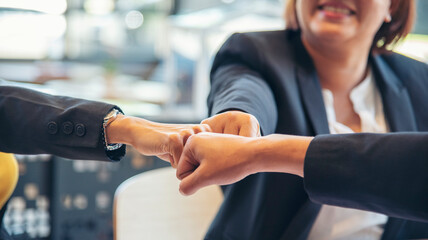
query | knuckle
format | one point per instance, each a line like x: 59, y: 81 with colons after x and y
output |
x: 205, y: 121
x: 232, y: 115
x: 253, y: 119
x: 207, y: 128
x: 197, y: 128
x: 186, y: 132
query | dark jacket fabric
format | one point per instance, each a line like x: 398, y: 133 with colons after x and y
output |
x: 385, y: 173
x: 32, y: 122
x: 271, y: 76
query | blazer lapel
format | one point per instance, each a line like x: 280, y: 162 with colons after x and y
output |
x: 310, y: 90
x: 313, y: 102
x: 301, y: 225
x: 396, y: 102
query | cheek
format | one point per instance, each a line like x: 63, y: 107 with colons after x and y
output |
x: 374, y: 13
x: 304, y: 12
x: 378, y: 9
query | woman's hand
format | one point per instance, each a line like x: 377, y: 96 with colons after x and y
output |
x: 165, y: 141
x: 234, y: 122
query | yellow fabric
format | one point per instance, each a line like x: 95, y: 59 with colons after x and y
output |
x: 8, y: 176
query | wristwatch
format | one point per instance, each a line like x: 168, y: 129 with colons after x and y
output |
x: 107, y: 120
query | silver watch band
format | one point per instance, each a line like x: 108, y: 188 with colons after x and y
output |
x: 107, y: 120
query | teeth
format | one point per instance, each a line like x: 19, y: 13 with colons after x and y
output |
x: 337, y: 10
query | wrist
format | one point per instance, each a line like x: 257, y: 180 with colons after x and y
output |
x: 118, y: 130
x: 262, y: 152
x: 256, y: 149
x: 281, y: 153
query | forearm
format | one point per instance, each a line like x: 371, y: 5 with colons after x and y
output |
x: 280, y: 153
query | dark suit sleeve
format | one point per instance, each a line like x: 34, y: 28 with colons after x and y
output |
x: 385, y: 173
x: 34, y: 123
x: 237, y: 83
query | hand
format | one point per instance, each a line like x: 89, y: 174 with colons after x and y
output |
x: 234, y: 122
x: 210, y: 158
x: 165, y: 141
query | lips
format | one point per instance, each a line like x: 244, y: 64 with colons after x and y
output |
x: 336, y: 8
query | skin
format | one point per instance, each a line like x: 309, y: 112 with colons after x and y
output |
x: 202, y: 164
x: 342, y: 68
x: 234, y: 122
x: 165, y: 141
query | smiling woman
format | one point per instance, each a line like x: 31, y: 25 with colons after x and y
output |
x: 330, y: 71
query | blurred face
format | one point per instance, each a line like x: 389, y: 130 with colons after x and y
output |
x: 341, y: 20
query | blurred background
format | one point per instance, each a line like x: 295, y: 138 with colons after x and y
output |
x: 151, y: 57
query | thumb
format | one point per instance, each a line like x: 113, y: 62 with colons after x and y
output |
x: 187, y: 163
x: 193, y: 182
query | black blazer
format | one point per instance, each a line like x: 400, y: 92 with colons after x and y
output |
x: 271, y: 76
x: 397, y: 163
x: 34, y: 123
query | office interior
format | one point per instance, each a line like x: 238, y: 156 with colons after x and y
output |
x: 150, y: 57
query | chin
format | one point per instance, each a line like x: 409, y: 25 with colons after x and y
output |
x: 332, y: 33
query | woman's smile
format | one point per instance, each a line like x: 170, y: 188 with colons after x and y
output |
x: 335, y: 10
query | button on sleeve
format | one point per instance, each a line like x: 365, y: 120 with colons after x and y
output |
x: 67, y: 128
x: 52, y: 128
x: 80, y: 130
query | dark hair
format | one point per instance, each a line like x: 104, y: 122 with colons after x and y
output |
x: 402, y: 19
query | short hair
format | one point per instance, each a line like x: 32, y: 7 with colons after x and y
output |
x: 402, y: 19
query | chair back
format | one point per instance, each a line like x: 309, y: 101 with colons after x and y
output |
x: 149, y: 206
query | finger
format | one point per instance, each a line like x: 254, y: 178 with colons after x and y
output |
x: 187, y: 164
x: 176, y: 148
x: 201, y: 128
x: 176, y: 157
x: 197, y: 129
x: 231, y: 128
x: 206, y: 121
x: 193, y: 182
x: 185, y: 135
x: 248, y: 130
x: 166, y: 157
x: 252, y: 128
x: 214, y: 123
x: 206, y: 127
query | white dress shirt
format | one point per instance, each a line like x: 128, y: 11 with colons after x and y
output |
x: 342, y: 223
